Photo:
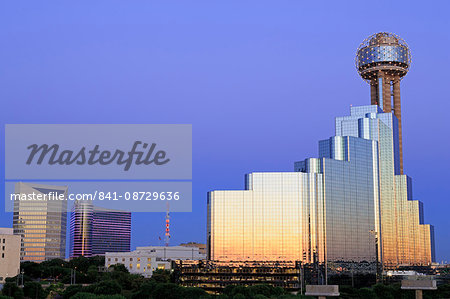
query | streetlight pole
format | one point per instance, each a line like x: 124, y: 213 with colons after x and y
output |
x: 73, y: 275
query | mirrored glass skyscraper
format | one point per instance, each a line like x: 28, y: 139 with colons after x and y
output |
x: 351, y: 204
x: 327, y: 209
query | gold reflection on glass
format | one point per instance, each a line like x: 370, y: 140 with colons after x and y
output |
x: 352, y: 204
x: 42, y: 224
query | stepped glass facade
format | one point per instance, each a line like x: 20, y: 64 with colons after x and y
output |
x: 349, y: 205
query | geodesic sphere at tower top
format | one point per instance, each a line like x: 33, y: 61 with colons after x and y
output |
x: 385, y: 52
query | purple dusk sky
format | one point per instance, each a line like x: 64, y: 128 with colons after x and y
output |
x: 260, y: 82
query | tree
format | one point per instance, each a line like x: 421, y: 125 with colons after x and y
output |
x: 97, y: 260
x: 31, y: 269
x: 194, y: 293
x: 72, y: 290
x: 53, y: 263
x: 443, y: 291
x: 33, y: 290
x: 122, y: 278
x: 107, y: 287
x: 233, y: 290
x: 12, y: 290
x: 383, y: 291
x: 145, y: 290
x: 119, y: 268
x: 80, y: 263
x: 92, y: 273
x: 367, y: 293
x: 167, y: 291
x: 262, y: 289
x: 161, y: 275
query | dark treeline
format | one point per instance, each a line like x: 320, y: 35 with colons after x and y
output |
x: 51, y: 279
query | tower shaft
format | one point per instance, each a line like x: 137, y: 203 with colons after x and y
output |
x: 386, y: 86
x: 398, y: 113
x: 385, y: 92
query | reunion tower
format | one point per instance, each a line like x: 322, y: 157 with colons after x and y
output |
x: 382, y: 60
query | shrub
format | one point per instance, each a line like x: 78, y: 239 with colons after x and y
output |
x: 83, y: 295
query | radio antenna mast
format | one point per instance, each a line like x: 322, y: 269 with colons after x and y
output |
x: 167, y: 234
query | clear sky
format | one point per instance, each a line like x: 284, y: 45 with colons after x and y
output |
x: 260, y: 81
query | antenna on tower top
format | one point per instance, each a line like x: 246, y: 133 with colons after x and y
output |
x: 167, y: 234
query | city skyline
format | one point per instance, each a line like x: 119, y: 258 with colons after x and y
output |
x: 256, y: 81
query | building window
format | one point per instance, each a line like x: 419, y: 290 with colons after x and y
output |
x: 123, y: 260
x: 138, y: 266
x: 3, y: 255
x: 131, y: 266
x: 116, y: 259
x: 3, y: 247
x: 149, y: 260
x: 149, y: 266
x: 139, y: 259
x: 109, y: 259
x: 131, y: 259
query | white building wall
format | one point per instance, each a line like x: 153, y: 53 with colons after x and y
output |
x: 145, y: 260
x: 9, y: 254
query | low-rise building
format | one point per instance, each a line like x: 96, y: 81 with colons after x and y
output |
x: 145, y: 260
x: 9, y: 254
x: 201, y: 247
x: 214, y: 276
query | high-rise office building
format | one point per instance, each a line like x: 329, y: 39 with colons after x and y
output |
x: 40, y: 217
x: 95, y: 230
x: 81, y: 229
x: 326, y: 210
x: 352, y: 204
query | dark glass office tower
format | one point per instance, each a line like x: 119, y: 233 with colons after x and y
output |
x: 111, y: 231
x: 96, y: 230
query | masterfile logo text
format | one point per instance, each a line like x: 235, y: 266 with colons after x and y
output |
x: 53, y: 155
